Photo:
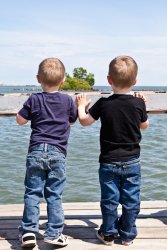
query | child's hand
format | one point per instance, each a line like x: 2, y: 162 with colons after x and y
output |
x: 140, y: 95
x: 82, y: 101
x: 84, y: 117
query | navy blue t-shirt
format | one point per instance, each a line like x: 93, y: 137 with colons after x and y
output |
x: 50, y: 115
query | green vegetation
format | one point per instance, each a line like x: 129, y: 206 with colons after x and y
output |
x: 80, y: 80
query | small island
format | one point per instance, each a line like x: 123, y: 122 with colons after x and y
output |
x: 81, y: 80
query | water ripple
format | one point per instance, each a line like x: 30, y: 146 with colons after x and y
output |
x: 82, y: 161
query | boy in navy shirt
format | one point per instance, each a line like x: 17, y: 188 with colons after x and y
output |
x: 122, y: 116
x: 50, y: 113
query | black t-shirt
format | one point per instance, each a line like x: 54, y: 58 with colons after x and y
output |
x: 120, y: 134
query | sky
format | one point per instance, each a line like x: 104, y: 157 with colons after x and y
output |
x: 86, y: 34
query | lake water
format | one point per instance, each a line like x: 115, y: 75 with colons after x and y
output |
x: 37, y: 88
x: 82, y: 161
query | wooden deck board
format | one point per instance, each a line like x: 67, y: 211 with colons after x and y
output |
x: 91, y: 223
x: 81, y: 223
x: 94, y: 244
x: 71, y: 214
x: 86, y: 205
x: 90, y: 233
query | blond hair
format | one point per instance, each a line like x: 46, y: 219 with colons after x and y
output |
x: 123, y: 71
x: 51, y: 71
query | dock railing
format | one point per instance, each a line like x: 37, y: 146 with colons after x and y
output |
x: 156, y: 103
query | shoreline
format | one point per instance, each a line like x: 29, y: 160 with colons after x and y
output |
x: 87, y: 92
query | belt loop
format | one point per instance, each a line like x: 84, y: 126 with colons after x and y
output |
x: 45, y: 147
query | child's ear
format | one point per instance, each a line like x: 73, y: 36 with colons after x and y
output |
x: 109, y: 78
x: 38, y: 78
x: 134, y: 82
x: 62, y: 82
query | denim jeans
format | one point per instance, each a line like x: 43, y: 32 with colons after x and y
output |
x: 45, y: 176
x: 120, y: 183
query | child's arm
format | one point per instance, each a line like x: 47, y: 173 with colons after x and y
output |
x: 72, y: 123
x: 144, y: 125
x: 85, y: 119
x: 73, y: 112
x: 20, y: 120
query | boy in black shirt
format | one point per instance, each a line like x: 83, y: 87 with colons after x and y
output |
x: 122, y: 116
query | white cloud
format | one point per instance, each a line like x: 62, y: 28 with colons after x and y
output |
x: 21, y: 53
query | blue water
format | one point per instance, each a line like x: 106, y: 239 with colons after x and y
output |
x: 20, y: 89
x: 37, y: 88
x: 82, y: 161
x: 136, y: 88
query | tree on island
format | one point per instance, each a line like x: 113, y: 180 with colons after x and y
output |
x: 81, y: 73
x: 80, y: 80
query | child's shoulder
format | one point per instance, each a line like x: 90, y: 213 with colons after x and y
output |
x: 130, y: 98
x: 64, y: 94
x: 138, y: 100
x: 102, y: 101
x: 65, y: 97
x: 34, y: 96
x: 104, y: 98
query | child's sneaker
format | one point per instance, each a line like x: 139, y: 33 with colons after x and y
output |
x: 127, y: 243
x: 28, y: 239
x: 107, y: 240
x: 62, y: 240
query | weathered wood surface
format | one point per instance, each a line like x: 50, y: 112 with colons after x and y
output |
x: 81, y: 223
x: 156, y: 102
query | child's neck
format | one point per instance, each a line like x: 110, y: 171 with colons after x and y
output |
x: 124, y: 91
x: 50, y: 89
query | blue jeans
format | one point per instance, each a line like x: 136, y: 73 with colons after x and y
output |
x: 120, y: 183
x: 45, y: 176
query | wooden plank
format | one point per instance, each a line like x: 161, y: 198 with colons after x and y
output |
x: 96, y: 205
x: 159, y: 111
x: 144, y: 213
x: 94, y: 244
x: 85, y: 205
x: 154, y: 204
x: 14, y: 113
x: 92, y: 223
x: 89, y: 233
x: 81, y: 223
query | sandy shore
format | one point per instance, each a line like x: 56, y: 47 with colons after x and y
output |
x: 156, y: 101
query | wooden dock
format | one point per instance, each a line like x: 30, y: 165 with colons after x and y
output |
x: 81, y: 223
